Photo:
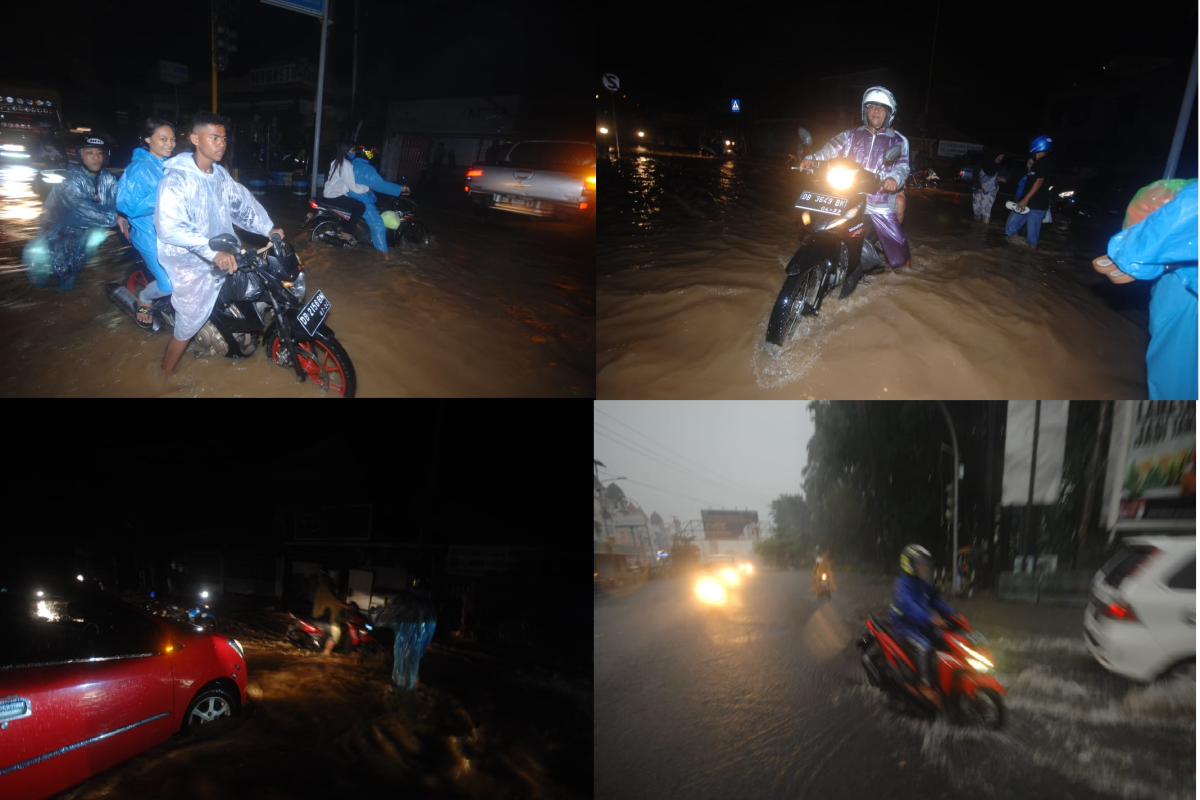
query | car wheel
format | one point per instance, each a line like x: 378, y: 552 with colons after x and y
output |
x: 213, y: 705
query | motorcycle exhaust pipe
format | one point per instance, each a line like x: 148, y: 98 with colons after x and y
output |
x: 122, y: 297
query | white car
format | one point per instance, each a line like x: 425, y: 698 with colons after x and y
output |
x: 1141, y: 616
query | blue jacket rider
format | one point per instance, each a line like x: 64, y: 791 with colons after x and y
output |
x: 76, y: 212
x: 915, y: 612
x: 367, y: 175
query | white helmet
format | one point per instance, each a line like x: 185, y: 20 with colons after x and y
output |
x: 879, y: 96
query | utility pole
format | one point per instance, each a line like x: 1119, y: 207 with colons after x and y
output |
x: 354, y: 74
x: 1037, y: 421
x: 954, y: 441
x: 929, y: 86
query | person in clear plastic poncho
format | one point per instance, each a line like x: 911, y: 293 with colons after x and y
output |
x: 76, y: 214
x: 413, y: 616
x: 197, y: 200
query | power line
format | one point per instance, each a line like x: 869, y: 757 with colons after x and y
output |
x: 743, y: 487
x: 646, y: 454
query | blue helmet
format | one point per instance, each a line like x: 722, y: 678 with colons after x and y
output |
x: 1040, y: 145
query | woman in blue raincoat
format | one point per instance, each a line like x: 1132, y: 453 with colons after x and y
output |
x: 413, y: 616
x: 1162, y: 246
x: 76, y: 212
x: 136, y: 193
x: 366, y: 174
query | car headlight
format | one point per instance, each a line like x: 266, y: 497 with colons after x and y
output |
x: 710, y: 591
x: 841, y: 178
x: 730, y: 575
x: 1067, y: 194
x: 237, y: 646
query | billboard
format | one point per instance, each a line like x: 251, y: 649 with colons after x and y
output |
x: 1018, y: 451
x: 1159, y: 471
x: 729, y: 524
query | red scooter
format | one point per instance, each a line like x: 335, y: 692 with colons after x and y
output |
x: 964, y: 672
x: 310, y: 634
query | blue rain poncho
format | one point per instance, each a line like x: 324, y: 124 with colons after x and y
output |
x: 193, y: 207
x: 367, y: 175
x: 76, y: 212
x: 137, y: 192
x: 413, y: 616
x: 1163, y: 248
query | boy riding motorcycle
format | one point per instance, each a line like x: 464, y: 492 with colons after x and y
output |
x: 915, y: 614
x: 866, y: 145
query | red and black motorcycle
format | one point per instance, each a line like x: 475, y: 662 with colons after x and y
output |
x: 964, y: 672
x: 310, y: 634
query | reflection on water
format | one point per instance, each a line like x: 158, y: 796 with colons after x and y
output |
x: 690, y: 259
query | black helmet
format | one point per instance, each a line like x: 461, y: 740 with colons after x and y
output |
x: 914, y: 555
x: 82, y: 140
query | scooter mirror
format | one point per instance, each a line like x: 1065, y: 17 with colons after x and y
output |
x: 225, y: 243
x: 806, y: 137
x: 893, y: 154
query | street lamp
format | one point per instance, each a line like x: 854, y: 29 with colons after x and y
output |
x: 604, y: 130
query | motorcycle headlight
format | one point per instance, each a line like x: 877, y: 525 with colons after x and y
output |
x: 236, y: 645
x: 296, y: 287
x: 977, y: 661
x: 1066, y: 194
x: 841, y: 178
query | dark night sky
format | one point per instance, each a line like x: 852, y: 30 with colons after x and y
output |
x: 765, y: 58
x: 406, y: 50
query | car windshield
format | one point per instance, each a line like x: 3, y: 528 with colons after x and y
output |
x: 554, y: 154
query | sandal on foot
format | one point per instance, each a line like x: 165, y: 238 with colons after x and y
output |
x: 148, y: 309
x: 1106, y: 266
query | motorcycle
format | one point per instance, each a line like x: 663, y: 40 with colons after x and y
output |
x: 823, y: 586
x: 930, y: 178
x: 200, y: 613
x: 827, y: 257
x: 915, y: 180
x: 263, y: 302
x: 310, y: 634
x: 327, y: 220
x: 964, y: 672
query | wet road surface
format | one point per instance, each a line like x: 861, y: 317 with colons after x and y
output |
x: 691, y: 255
x: 766, y: 699
x: 503, y: 307
x: 476, y: 727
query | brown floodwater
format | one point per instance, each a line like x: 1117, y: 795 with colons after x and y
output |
x: 504, y: 307
x: 691, y: 255
x: 335, y: 727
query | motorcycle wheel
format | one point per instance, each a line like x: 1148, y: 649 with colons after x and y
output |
x: 986, y: 708
x: 326, y: 233
x: 137, y: 277
x: 418, y: 234
x: 324, y: 359
x: 796, y: 299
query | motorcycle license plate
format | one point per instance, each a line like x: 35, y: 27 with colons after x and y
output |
x: 313, y: 313
x: 825, y: 203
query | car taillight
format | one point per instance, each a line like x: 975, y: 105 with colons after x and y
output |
x: 591, y: 181
x: 474, y: 173
x: 1119, y: 610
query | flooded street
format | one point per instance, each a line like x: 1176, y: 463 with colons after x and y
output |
x: 691, y: 256
x: 504, y: 307
x: 476, y: 727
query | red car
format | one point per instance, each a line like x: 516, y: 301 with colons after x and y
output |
x: 87, y: 681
